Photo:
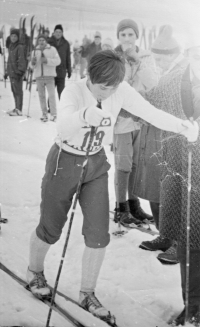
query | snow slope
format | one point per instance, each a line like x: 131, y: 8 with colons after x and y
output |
x: 133, y: 284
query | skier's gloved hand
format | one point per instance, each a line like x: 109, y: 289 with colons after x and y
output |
x: 5, y: 76
x: 34, y: 61
x: 93, y: 115
x: 69, y: 74
x: 190, y: 130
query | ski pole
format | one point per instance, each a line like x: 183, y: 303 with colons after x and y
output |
x: 30, y: 85
x: 188, y: 231
x: 85, y: 161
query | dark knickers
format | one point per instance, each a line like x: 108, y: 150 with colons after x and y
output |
x: 58, y: 191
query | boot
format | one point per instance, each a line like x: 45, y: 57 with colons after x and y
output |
x: 38, y: 284
x: 170, y: 256
x: 123, y: 215
x: 44, y: 118
x: 90, y: 303
x: 138, y: 212
x: 159, y: 243
x: 15, y: 112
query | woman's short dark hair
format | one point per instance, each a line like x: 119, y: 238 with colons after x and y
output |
x: 106, y: 67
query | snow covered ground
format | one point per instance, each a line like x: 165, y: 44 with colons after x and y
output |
x: 133, y: 284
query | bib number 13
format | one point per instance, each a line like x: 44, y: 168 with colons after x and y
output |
x: 97, y: 141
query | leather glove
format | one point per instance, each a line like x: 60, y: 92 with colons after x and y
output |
x: 69, y: 74
x: 93, y: 116
x: 33, y: 61
x: 5, y: 76
x: 190, y: 130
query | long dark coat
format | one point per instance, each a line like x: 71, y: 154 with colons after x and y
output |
x: 173, y: 95
x: 63, y: 49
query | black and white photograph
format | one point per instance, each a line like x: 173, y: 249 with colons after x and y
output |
x: 99, y: 163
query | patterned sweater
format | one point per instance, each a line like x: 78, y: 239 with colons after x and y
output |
x: 174, y: 188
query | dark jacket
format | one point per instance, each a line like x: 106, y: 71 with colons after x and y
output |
x: 16, y: 65
x: 89, y: 51
x: 63, y: 49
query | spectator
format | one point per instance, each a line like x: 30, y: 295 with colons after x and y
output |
x: 141, y: 76
x: 167, y: 53
x: 63, y: 48
x: 45, y: 58
x: 107, y: 44
x: 8, y: 37
x: 90, y: 50
x: 83, y: 61
x: 46, y: 34
x: 16, y: 68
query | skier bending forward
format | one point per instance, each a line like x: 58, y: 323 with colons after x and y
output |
x: 77, y: 113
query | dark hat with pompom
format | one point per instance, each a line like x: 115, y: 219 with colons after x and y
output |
x: 165, y: 43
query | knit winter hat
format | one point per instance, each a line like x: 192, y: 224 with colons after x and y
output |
x: 15, y: 31
x: 42, y: 36
x: 127, y: 23
x: 58, y: 27
x: 165, y: 43
x: 97, y: 34
x: 108, y: 42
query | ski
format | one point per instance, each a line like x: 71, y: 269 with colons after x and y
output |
x: 56, y: 307
x: 141, y: 228
x: 29, y: 53
x: 69, y: 314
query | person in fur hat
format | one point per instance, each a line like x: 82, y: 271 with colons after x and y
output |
x: 141, y: 76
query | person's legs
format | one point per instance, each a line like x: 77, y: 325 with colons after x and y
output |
x: 50, y: 84
x: 57, y: 193
x: 123, y: 152
x: 12, y: 82
x: 19, y: 93
x: 134, y: 203
x: 16, y: 87
x: 95, y: 206
x: 60, y: 84
x: 42, y: 95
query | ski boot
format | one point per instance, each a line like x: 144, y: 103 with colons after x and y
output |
x: 90, y: 303
x: 37, y: 284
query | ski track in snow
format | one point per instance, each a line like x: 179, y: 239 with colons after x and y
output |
x: 133, y: 284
